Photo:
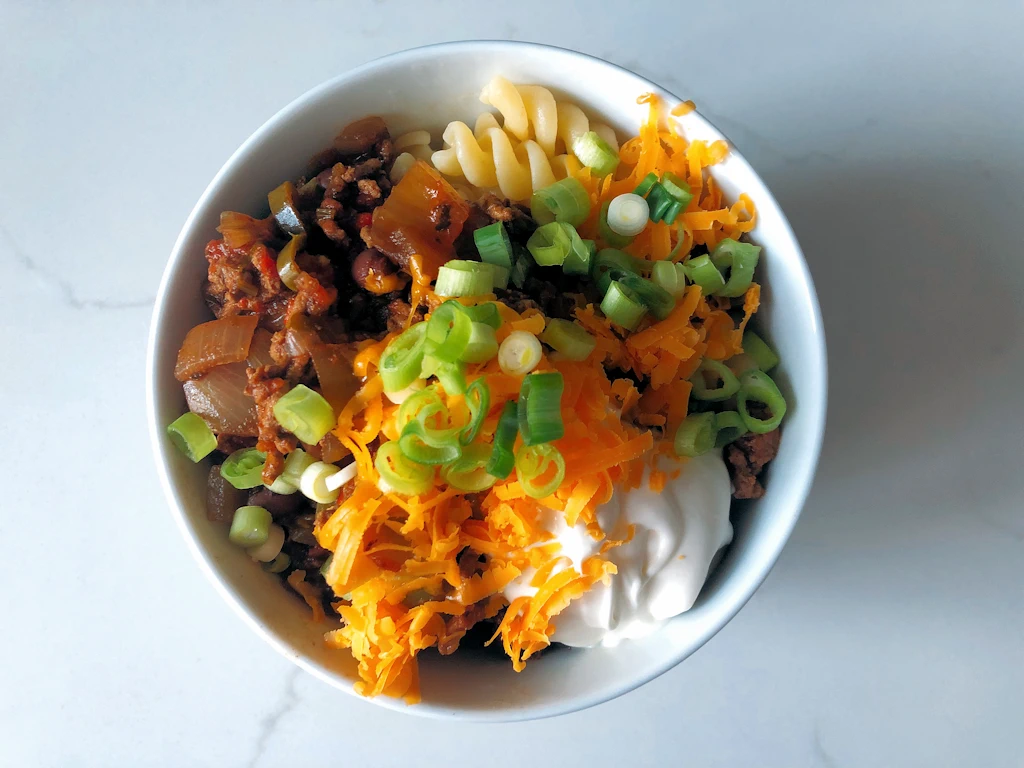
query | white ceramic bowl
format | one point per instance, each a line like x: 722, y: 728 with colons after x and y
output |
x: 427, y: 87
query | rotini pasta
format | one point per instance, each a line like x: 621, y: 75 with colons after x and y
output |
x: 521, y: 155
x: 411, y: 146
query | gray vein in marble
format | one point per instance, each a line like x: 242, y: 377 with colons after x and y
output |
x: 285, y: 704
x: 820, y: 752
x: 62, y: 286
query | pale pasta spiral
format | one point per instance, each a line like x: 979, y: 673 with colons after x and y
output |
x: 522, y: 155
x: 411, y: 146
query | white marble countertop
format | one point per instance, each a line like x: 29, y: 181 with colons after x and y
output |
x: 891, y: 632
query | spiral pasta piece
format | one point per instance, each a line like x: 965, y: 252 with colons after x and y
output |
x: 411, y: 146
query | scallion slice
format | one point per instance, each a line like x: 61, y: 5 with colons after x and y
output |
x: 581, y: 253
x: 305, y: 414
x: 521, y: 269
x: 565, y: 201
x: 451, y: 376
x: 595, y: 153
x: 244, y: 468
x: 269, y: 549
x: 741, y: 261
x: 550, y: 244
x: 313, y: 482
x: 606, y: 233
x: 670, y: 277
x: 703, y: 273
x: 607, y: 259
x: 468, y: 473
x: 519, y: 353
x: 758, y: 349
x: 295, y: 464
x: 654, y: 297
x: 677, y: 188
x: 448, y: 332
x: 710, y: 371
x: 482, y: 346
x: 568, y: 338
x: 402, y: 359
x: 729, y: 426
x: 250, y: 526
x: 540, y: 408
x: 279, y: 564
x: 627, y: 215
x: 399, y: 473
x: 658, y: 201
x: 759, y: 387
x: 478, y: 398
x: 696, y: 435
x: 645, y: 185
x: 459, y: 277
x: 540, y: 469
x: 425, y: 446
x: 486, y: 313
x: 493, y: 245
x: 622, y: 306
x: 192, y: 436
x: 502, y: 459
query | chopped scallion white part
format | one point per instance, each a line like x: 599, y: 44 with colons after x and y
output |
x: 628, y: 214
x: 342, y: 476
x: 519, y: 353
x: 402, y: 395
x: 313, y: 483
x: 270, y: 548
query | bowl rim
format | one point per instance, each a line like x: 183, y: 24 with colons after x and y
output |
x: 782, y: 529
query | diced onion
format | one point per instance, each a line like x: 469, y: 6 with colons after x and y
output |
x: 519, y: 353
x: 313, y: 482
x: 627, y: 214
x: 270, y: 548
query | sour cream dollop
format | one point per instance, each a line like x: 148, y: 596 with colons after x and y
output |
x: 660, y: 571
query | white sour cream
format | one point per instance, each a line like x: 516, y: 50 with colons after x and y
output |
x: 660, y: 571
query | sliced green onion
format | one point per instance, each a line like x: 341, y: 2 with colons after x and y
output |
x: 468, y: 473
x: 502, y: 459
x: 677, y: 188
x: 670, y: 277
x: 759, y: 387
x: 646, y: 184
x: 486, y: 313
x: 399, y: 473
x: 654, y: 297
x: 716, y: 371
x: 550, y: 244
x: 703, y: 273
x: 493, y: 245
x: 729, y: 426
x: 741, y: 363
x: 501, y: 275
x: 568, y: 338
x: 565, y: 200
x: 313, y: 482
x: 478, y: 398
x: 279, y: 564
x: 627, y: 215
x: 459, y: 277
x: 622, y: 306
x: 402, y: 359
x: 269, y: 549
x: 757, y: 348
x: 451, y: 376
x: 595, y: 153
x: 244, y: 468
x: 673, y: 210
x: 696, y: 435
x: 422, y: 406
x: 250, y: 526
x: 741, y: 261
x: 327, y: 565
x: 402, y: 395
x: 287, y: 267
x: 610, y: 258
x: 423, y: 446
x: 448, y: 332
x: 658, y: 201
x: 519, y: 353
x: 305, y: 414
x: 540, y: 408
x: 540, y: 469
x: 295, y: 464
x: 192, y: 436
x: 606, y: 233
x: 521, y: 269
x: 482, y: 344
x: 581, y: 252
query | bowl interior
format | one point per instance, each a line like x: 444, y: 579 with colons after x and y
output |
x: 427, y: 88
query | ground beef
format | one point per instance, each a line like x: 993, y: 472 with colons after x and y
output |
x: 470, y: 563
x: 457, y: 626
x: 747, y: 458
x: 545, y: 296
x: 266, y: 389
x: 240, y: 280
x: 516, y: 217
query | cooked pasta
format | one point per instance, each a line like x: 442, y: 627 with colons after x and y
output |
x: 523, y: 154
x: 411, y: 146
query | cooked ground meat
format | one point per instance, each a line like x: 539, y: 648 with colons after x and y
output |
x: 266, y: 389
x: 747, y: 458
x: 457, y: 626
x: 516, y: 217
